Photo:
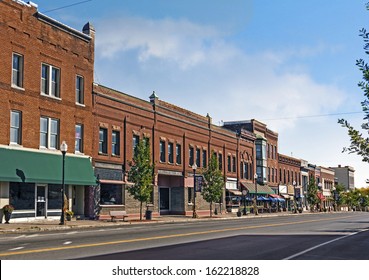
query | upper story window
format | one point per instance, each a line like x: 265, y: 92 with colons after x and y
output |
x: 17, y: 70
x: 115, y: 143
x: 229, y: 165
x: 135, y: 140
x: 49, y: 133
x: 170, y: 153
x: 198, y: 157
x: 15, y: 127
x: 178, y: 154
x: 220, y: 161
x: 79, y: 90
x: 79, y: 138
x: 162, y: 151
x: 103, y: 140
x: 234, y: 164
x: 50, y: 80
x: 191, y: 156
x: 204, y: 158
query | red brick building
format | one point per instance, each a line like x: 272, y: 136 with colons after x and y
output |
x: 46, y: 79
x: 179, y: 139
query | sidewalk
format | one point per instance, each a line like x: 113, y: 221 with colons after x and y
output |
x: 53, y: 224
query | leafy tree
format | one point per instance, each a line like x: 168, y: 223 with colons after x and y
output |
x: 359, y: 144
x: 312, y: 193
x: 141, y: 174
x: 213, y: 183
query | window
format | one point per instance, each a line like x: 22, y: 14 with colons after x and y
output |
x: 17, y: 72
x: 198, y: 157
x: 241, y: 170
x: 111, y: 194
x: 50, y: 80
x: 220, y: 161
x: 103, y: 139
x: 135, y: 141
x: 229, y: 159
x: 49, y: 133
x: 179, y: 154
x: 269, y: 174
x: 190, y: 195
x: 204, y: 158
x: 79, y: 90
x: 115, y: 143
x: 79, y: 138
x: 234, y: 164
x: 15, y: 127
x: 191, y: 156
x: 170, y: 153
x: 162, y: 151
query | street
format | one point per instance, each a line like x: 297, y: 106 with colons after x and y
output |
x: 318, y: 236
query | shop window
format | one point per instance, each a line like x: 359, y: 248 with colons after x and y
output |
x: 22, y: 196
x: 111, y: 194
x: 54, y: 197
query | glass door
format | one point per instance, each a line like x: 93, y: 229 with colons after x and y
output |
x: 40, y: 201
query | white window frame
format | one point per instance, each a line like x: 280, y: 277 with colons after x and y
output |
x: 49, y: 82
x: 79, y: 139
x: 17, y: 73
x: 49, y: 133
x: 80, y: 84
x: 17, y: 127
x: 115, y: 145
x: 103, y: 143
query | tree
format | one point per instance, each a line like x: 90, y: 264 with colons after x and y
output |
x: 312, y: 193
x: 141, y: 174
x: 360, y: 144
x: 213, y: 183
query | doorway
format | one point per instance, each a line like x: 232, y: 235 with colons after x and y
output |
x: 164, y: 200
x: 40, y: 201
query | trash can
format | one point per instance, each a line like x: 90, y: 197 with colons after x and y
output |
x: 148, y: 214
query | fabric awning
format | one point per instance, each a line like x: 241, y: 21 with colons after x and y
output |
x: 42, y: 167
x: 286, y: 196
x: 276, y: 198
x: 262, y: 189
x: 235, y: 192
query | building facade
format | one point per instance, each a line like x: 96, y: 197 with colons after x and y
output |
x: 46, y: 79
x: 345, y: 175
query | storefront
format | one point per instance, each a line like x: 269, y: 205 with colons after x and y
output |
x: 31, y: 182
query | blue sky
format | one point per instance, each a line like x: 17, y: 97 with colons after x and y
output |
x: 276, y: 61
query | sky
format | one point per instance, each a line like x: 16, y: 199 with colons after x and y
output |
x: 289, y: 64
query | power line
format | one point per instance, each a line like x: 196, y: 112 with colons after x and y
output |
x: 71, y: 5
x: 312, y: 116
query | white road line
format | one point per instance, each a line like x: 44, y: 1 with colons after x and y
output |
x: 72, y: 232
x: 321, y: 245
x: 15, y: 249
x: 67, y: 242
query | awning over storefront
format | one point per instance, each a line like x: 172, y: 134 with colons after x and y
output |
x: 286, y: 196
x: 235, y: 192
x: 262, y: 189
x: 276, y: 198
x: 39, y: 167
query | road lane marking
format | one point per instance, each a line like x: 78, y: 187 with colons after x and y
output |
x: 43, y: 250
x: 15, y: 249
x: 67, y: 243
x: 322, y: 244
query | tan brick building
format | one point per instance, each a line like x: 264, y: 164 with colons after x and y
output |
x: 46, y: 77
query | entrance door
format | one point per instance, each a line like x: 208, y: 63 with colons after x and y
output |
x: 164, y: 199
x: 40, y: 201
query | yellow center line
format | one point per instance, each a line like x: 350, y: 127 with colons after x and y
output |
x: 161, y: 237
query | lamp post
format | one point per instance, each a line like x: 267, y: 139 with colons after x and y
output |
x: 256, y: 195
x: 244, y: 192
x: 295, y: 196
x: 194, y: 214
x: 63, y: 149
x: 320, y: 200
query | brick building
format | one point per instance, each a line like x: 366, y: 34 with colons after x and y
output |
x: 327, y: 182
x: 179, y: 139
x: 46, y: 79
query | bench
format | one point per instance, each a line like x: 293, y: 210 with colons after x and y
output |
x: 118, y: 214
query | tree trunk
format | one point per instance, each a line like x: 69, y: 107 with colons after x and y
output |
x: 140, y: 210
x: 211, y: 209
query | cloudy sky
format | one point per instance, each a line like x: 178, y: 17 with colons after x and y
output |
x: 289, y: 64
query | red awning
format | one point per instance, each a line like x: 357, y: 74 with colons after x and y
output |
x: 321, y: 196
x: 275, y: 196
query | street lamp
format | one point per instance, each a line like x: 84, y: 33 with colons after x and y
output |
x: 294, y: 192
x: 256, y: 195
x: 320, y: 199
x: 63, y: 149
x: 194, y: 214
x: 244, y: 192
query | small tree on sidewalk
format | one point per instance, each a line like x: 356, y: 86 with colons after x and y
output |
x: 312, y: 193
x: 213, y: 183
x: 141, y: 174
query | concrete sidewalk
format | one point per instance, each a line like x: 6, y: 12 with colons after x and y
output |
x: 53, y: 224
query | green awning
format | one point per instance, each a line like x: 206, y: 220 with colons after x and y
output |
x: 262, y: 189
x: 41, y: 167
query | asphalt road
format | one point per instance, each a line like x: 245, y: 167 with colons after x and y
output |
x: 311, y: 236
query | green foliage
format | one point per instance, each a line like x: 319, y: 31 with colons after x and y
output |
x: 214, y: 182
x: 141, y: 174
x: 312, y: 192
x: 359, y: 144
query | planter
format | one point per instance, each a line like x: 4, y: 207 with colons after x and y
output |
x: 239, y: 214
x: 69, y: 218
x: 7, y: 216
